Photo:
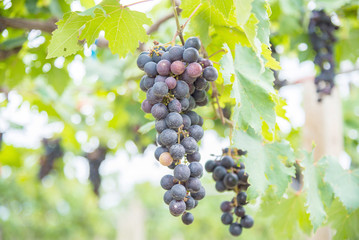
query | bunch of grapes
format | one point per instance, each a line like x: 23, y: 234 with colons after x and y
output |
x: 321, y: 32
x: 231, y: 176
x: 176, y: 82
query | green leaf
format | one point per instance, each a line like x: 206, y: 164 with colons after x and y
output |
x: 224, y: 6
x: 266, y: 164
x: 271, y: 62
x: 13, y: 43
x: 243, y: 11
x: 58, y: 79
x: 147, y: 127
x: 310, y: 185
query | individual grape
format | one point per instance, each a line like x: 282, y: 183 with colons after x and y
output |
x: 210, y: 165
x: 235, y: 229
x: 177, y: 151
x: 230, y: 180
x: 150, y: 69
x: 177, y: 67
x: 193, y: 116
x: 227, y: 162
x: 167, y: 182
x: 148, y: 82
x: 181, y: 90
x: 160, y: 125
x: 142, y: 60
x: 160, y: 89
x: 199, y: 95
x: 167, y: 197
x: 193, y: 185
x: 146, y: 106
x: 177, y: 207
x: 202, y: 103
x: 196, y: 169
x: 200, y: 194
x: 168, y: 137
x: 159, y: 111
x: 205, y: 62
x: 186, y: 121
x: 196, y: 132
x: 174, y: 120
x: 184, y: 104
x: 156, y: 57
x: 190, y: 144
x: 200, y: 83
x: 142, y: 84
x: 192, y: 103
x: 178, y: 192
x: 194, y: 70
x: 166, y: 56
x: 193, y: 42
x: 220, y: 187
x: 151, y: 97
x: 187, y: 218
x: 219, y: 173
x: 160, y: 78
x: 194, y: 157
x: 191, y: 87
x: 227, y: 218
x: 174, y: 106
x: 166, y: 159
x: 210, y: 74
x: 185, y: 77
x: 181, y: 172
x: 242, y: 175
x: 171, y: 82
x: 226, y: 206
x: 239, y: 211
x: 175, y: 53
x: 164, y: 67
x: 159, y: 151
x: 247, y: 221
x: 195, y: 203
x: 190, y: 203
x: 242, y: 198
x: 190, y: 55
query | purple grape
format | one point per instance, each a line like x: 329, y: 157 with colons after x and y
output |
x: 174, y: 106
x: 194, y: 70
x: 150, y: 69
x: 177, y: 207
x: 178, y: 67
x: 193, y: 42
x: 190, y: 55
x: 160, y: 78
x: 159, y: 111
x: 146, y: 106
x: 171, y: 82
x: 164, y: 67
x: 210, y: 74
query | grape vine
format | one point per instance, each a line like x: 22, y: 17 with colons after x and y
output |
x: 176, y: 82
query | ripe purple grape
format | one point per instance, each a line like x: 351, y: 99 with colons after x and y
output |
x: 178, y: 67
x: 171, y: 82
x: 164, y: 67
x: 146, y: 106
x: 194, y: 70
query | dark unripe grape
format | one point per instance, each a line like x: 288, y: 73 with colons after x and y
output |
x: 146, y: 106
x: 190, y: 55
x: 193, y: 42
x: 194, y: 157
x: 171, y: 82
x: 160, y: 78
x: 159, y: 151
x: 196, y: 132
x: 227, y: 218
x: 160, y: 125
x: 174, y: 106
x: 181, y: 90
x: 166, y: 56
x: 200, y: 83
x: 186, y: 121
x: 177, y: 151
x: 219, y: 173
x: 167, y: 182
x: 200, y: 121
x: 142, y: 60
x: 220, y: 187
x: 167, y: 197
x: 242, y: 198
x: 205, y: 62
x: 227, y: 162
x: 152, y: 98
x: 194, y: 70
x: 178, y: 67
x: 177, y: 207
x: 148, y: 82
x: 176, y: 53
x: 174, y: 120
x: 178, y: 192
x: 196, y: 169
x: 193, y: 185
x: 190, y: 203
x: 235, y: 229
x: 226, y: 206
x: 242, y: 175
x: 202, y: 103
x: 239, y: 211
x: 168, y: 137
x: 159, y: 48
x: 184, y: 104
x: 187, y: 218
x: 156, y: 57
x: 164, y: 67
x: 192, y: 103
x: 190, y: 144
x: 142, y: 84
x: 191, y: 87
x: 200, y: 194
x: 159, y: 111
x: 185, y: 77
x: 210, y: 74
x: 230, y: 180
x: 173, y: 165
x: 210, y: 165
x: 193, y: 116
x: 247, y: 221
x: 150, y: 69
x: 166, y: 159
x: 199, y: 95
x: 181, y: 172
x: 160, y: 89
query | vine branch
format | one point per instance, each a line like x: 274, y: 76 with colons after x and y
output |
x: 179, y: 29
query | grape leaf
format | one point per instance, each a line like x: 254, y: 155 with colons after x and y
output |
x: 266, y: 164
x: 224, y: 6
x: 243, y: 11
x: 271, y: 62
x: 314, y: 203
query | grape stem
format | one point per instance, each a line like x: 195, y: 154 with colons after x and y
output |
x: 189, y: 18
x: 219, y: 51
x: 136, y: 3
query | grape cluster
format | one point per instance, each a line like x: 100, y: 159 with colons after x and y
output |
x: 176, y: 82
x: 321, y: 32
x: 231, y: 176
